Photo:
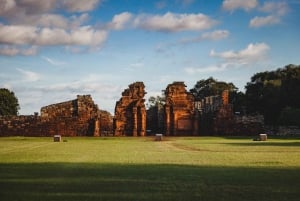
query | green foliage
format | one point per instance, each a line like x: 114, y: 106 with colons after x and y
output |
x: 8, y: 102
x: 157, y: 101
x: 290, y: 116
x: 185, y: 168
x: 269, y: 92
x: 211, y: 87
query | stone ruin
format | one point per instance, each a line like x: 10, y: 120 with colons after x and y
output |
x: 223, y: 121
x: 130, y: 112
x: 79, y: 117
x: 180, y: 116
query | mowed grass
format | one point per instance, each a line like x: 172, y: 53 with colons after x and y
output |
x: 181, y: 168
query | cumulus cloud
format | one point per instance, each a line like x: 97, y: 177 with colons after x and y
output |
x: 251, y: 54
x: 11, y: 8
x: 33, y: 23
x: 264, y: 21
x: 79, y: 5
x: 119, y: 21
x: 279, y: 8
x: 172, y: 22
x: 214, y: 36
x: 29, y: 35
x: 231, y: 5
x: 276, y: 10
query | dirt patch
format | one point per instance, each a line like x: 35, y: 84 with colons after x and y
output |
x: 186, y: 148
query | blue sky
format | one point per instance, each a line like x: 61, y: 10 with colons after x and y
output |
x: 51, y: 51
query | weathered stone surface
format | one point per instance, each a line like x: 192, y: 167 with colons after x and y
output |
x: 79, y: 117
x: 180, y: 116
x: 130, y: 112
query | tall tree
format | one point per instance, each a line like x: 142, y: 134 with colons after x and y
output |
x: 270, y: 92
x: 211, y: 87
x: 9, y: 104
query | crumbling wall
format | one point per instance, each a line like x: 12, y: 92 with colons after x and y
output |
x: 180, y: 117
x: 130, y: 112
x: 79, y: 117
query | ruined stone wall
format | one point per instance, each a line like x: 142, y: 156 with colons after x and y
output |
x: 130, y: 112
x: 79, y: 117
x: 180, y: 116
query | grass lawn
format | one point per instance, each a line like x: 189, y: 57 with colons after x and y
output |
x: 181, y: 168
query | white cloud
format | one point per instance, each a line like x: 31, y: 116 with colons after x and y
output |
x: 264, y: 21
x: 79, y: 5
x: 120, y: 20
x: 279, y: 8
x: 36, y: 23
x: 172, y: 22
x: 253, y: 53
x: 276, y: 10
x: 214, y: 36
x: 206, y: 70
x: 231, y: 5
x: 29, y: 35
x: 29, y: 76
x: 8, y: 50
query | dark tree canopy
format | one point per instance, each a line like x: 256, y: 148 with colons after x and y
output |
x: 211, y: 87
x: 8, y: 103
x: 270, y: 92
x: 155, y: 101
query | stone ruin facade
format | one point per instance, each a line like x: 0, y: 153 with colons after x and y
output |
x: 79, y: 117
x: 180, y: 116
x: 130, y: 112
x: 212, y: 115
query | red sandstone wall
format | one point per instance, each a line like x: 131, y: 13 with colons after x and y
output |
x: 72, y: 118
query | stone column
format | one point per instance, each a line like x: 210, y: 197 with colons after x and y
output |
x: 167, y: 117
x: 97, y: 128
x: 143, y: 120
x: 135, y: 121
x: 175, y: 123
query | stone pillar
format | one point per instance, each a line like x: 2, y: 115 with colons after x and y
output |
x: 97, y: 128
x: 143, y: 121
x: 175, y: 123
x: 167, y: 123
x: 135, y: 121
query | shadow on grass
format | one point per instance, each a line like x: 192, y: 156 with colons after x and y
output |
x: 267, y: 143
x: 74, y: 181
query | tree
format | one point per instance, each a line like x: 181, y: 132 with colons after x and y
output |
x: 9, y: 104
x: 270, y: 92
x: 212, y: 87
x: 155, y: 114
x: 155, y: 101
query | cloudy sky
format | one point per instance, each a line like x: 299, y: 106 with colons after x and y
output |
x: 52, y: 50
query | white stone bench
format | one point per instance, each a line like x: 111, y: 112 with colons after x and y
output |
x: 158, y: 137
x: 57, y: 138
x: 263, y: 137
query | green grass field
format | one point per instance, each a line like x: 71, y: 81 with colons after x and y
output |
x: 183, y: 168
